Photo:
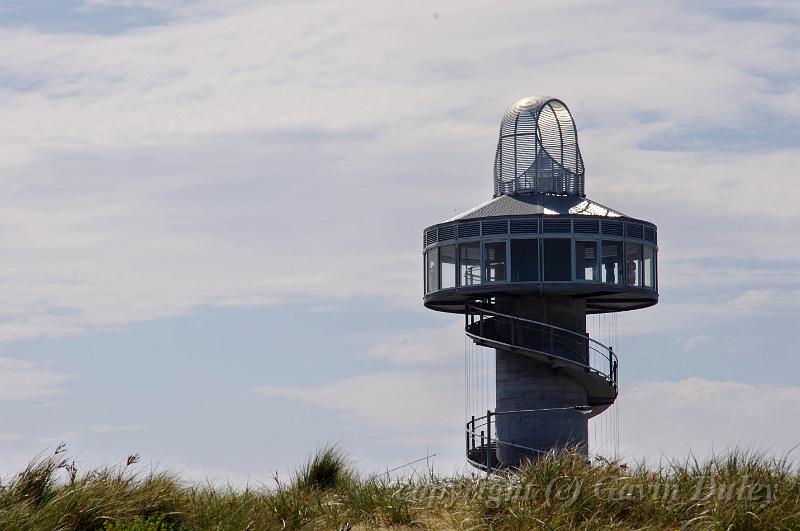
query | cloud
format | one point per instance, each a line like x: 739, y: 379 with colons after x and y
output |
x: 688, y: 314
x: 656, y: 419
x: 426, y: 346
x: 706, y: 416
x: 115, y: 428
x: 185, y: 8
x: 220, y: 160
x: 25, y: 380
x: 695, y: 342
x: 12, y: 437
x: 411, y: 406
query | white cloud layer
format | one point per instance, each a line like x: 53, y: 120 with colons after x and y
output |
x: 224, y: 159
x: 249, y: 153
x: 704, y: 416
x: 686, y: 315
x: 657, y: 419
x: 115, y: 428
x: 413, y: 407
x: 426, y: 346
x: 26, y: 380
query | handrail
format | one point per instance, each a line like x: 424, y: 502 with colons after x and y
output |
x: 481, y: 309
x: 560, y: 358
x: 590, y: 346
x: 486, y: 438
x: 582, y: 409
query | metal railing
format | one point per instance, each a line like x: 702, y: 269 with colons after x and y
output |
x: 472, y: 275
x: 542, y: 338
x: 483, y: 445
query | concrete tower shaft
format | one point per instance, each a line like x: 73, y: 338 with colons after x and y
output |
x: 524, y: 383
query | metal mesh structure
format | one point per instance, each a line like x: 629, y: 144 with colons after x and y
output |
x: 538, y: 150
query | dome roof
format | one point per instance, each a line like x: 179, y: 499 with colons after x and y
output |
x: 538, y: 150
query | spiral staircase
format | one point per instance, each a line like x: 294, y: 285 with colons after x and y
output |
x: 588, y: 361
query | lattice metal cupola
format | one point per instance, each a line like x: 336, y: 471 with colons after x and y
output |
x: 538, y: 150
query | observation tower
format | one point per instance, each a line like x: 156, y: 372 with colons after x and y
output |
x: 526, y: 268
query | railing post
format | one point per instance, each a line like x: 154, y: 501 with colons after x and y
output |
x: 488, y: 442
x: 611, y: 362
x: 482, y: 440
x: 472, y: 432
x: 588, y: 348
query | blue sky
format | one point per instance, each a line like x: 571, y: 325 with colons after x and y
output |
x: 212, y: 215
x: 79, y: 16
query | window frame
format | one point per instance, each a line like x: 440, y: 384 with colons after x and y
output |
x: 653, y: 276
x: 455, y: 265
x: 504, y: 241
x: 460, y: 279
x: 639, y: 265
x: 620, y: 274
x: 538, y: 243
x: 597, y: 261
x: 543, y: 258
x: 428, y: 270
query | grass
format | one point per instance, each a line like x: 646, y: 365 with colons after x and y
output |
x: 738, y: 490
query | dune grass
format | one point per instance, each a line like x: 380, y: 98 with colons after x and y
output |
x: 738, y: 490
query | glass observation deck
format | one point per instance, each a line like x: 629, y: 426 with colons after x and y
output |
x: 610, y: 262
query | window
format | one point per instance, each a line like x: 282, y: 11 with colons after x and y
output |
x: 433, y: 270
x: 494, y: 260
x: 524, y: 260
x: 558, y: 259
x: 470, y: 263
x: 447, y: 266
x: 649, y: 266
x: 585, y: 260
x: 612, y: 262
x: 633, y: 263
x: 425, y: 272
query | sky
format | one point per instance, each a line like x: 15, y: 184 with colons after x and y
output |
x: 212, y: 217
